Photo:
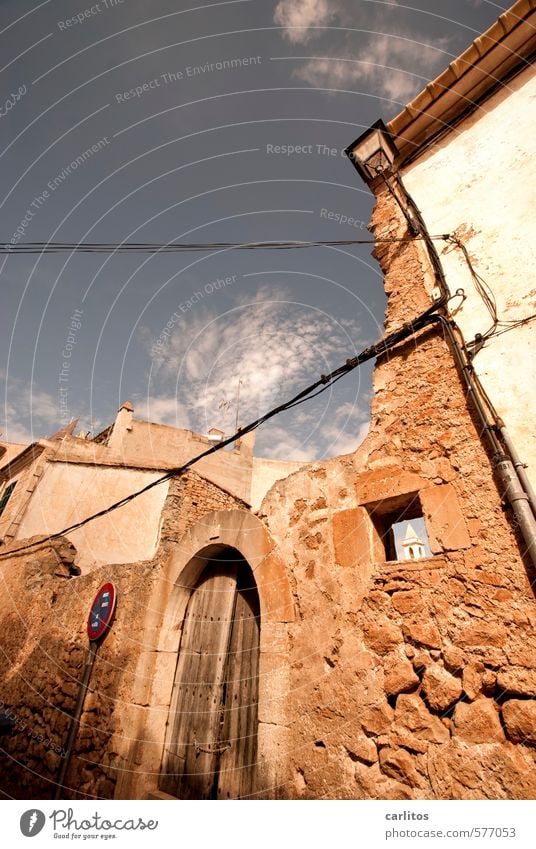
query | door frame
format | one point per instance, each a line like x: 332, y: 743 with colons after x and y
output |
x: 141, y: 749
x: 214, y: 567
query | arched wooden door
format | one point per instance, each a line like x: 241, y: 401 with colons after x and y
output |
x: 211, y: 742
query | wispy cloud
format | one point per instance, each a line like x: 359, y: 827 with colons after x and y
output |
x: 395, y: 67
x: 30, y: 413
x: 165, y: 409
x: 370, y: 50
x: 298, y: 16
x: 263, y: 350
x: 23, y: 404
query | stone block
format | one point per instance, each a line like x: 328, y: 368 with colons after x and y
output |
x: 482, y: 634
x: 454, y: 658
x: 352, y: 537
x: 388, y: 482
x: 274, y: 700
x: 363, y: 749
x: 277, y: 604
x: 412, y: 715
x: 472, y: 679
x: 517, y: 680
x: 407, y: 602
x: 477, y: 722
x: 398, y: 764
x: 399, y: 678
x: 377, y: 719
x: 382, y: 636
x: 519, y: 716
x: 441, y: 688
x: 445, y: 523
x: 422, y: 633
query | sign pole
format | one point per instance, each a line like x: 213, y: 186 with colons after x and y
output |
x: 98, y: 624
x: 75, y: 719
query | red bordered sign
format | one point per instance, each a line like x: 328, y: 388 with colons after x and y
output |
x: 101, y: 611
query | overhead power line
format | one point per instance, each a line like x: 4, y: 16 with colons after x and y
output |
x: 179, y: 247
x: 312, y: 391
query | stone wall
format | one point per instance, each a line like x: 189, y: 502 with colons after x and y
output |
x: 379, y: 679
x: 407, y: 680
x: 45, y: 606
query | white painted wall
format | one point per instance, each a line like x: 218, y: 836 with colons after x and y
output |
x: 480, y: 180
x: 69, y: 492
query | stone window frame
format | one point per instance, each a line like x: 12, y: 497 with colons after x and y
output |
x: 387, y: 512
x: 358, y: 543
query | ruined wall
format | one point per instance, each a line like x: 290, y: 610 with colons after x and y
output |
x: 407, y: 680
x: 43, y: 621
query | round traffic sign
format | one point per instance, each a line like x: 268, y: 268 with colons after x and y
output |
x: 101, y: 611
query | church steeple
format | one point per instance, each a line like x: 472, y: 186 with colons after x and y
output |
x: 412, y: 545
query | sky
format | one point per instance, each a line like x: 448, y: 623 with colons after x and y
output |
x: 199, y: 122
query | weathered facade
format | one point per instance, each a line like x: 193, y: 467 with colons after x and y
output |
x: 284, y: 652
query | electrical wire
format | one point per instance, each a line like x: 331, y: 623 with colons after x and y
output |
x: 506, y: 326
x: 484, y: 289
x: 313, y: 390
x: 180, y: 247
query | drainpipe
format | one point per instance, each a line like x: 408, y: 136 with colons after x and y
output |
x: 503, y: 464
x: 518, y: 464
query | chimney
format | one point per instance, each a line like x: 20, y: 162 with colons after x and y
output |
x: 122, y: 426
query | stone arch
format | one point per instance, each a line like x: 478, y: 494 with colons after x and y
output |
x: 214, y: 533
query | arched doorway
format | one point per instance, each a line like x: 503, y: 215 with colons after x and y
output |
x: 211, y: 740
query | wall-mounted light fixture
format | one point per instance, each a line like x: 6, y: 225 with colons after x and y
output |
x: 373, y: 153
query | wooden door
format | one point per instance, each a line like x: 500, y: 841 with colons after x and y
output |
x: 211, y: 747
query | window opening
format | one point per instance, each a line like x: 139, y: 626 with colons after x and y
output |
x: 6, y: 495
x: 400, y: 530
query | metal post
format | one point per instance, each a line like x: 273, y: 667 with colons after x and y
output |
x: 237, y: 403
x: 75, y: 719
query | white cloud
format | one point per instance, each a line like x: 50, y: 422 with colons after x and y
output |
x: 396, y: 67
x: 274, y: 347
x: 30, y: 413
x: 298, y: 16
x: 164, y: 409
x: 24, y: 403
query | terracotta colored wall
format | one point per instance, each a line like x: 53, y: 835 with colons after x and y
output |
x: 389, y: 680
x: 407, y: 680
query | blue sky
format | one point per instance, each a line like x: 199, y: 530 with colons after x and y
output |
x: 199, y: 122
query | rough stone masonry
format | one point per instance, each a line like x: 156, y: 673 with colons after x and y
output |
x: 384, y: 679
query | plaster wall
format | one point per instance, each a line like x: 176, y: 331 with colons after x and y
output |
x: 479, y: 183
x: 265, y: 473
x: 149, y: 443
x: 69, y: 492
